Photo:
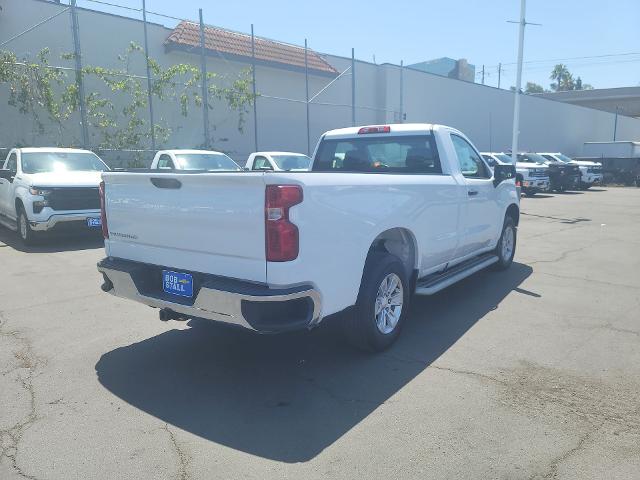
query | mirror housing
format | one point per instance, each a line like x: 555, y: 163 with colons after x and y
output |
x: 6, y: 174
x: 502, y: 172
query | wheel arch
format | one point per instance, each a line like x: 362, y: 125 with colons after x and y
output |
x: 400, y: 242
x: 513, y: 211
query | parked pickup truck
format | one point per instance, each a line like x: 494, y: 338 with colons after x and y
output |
x: 278, y: 161
x: 590, y: 172
x: 43, y: 189
x: 533, y: 177
x: 385, y: 212
x: 203, y: 160
x: 561, y: 175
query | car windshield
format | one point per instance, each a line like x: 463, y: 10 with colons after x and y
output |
x: 534, y: 157
x: 503, y: 157
x: 41, y: 162
x: 206, y: 161
x: 564, y: 158
x: 292, y: 162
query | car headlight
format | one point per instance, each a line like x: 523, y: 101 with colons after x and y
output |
x: 40, y: 192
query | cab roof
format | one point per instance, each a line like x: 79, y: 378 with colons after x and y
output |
x: 394, y: 128
x: 187, y: 151
x: 53, y: 150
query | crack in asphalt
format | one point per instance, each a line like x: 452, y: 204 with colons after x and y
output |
x: 554, y: 464
x: 10, y: 438
x: 591, y: 280
x: 563, y: 255
x: 183, y: 457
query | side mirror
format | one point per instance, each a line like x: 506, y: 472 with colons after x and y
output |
x: 503, y: 172
x: 6, y: 174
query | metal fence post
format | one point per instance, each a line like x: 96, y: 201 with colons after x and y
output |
x: 149, y: 86
x: 79, y: 80
x: 255, y: 98
x: 205, y: 92
x: 401, y: 91
x: 306, y: 82
x: 353, y: 88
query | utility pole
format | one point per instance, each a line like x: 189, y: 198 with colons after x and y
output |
x: 353, y: 87
x: 255, y: 97
x: 518, y: 93
x: 615, y: 124
x: 203, y: 83
x: 499, y: 73
x: 306, y: 86
x: 149, y: 93
x: 483, y: 74
x: 79, y: 77
x: 401, y: 91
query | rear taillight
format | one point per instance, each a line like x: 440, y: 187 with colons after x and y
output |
x: 281, y: 236
x: 103, y: 212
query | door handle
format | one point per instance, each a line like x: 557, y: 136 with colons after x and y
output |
x: 172, y: 183
x: 472, y: 193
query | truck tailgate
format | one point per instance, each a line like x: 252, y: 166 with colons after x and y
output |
x: 212, y: 223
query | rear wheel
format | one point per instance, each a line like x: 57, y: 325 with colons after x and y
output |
x: 381, y: 308
x: 506, y: 248
x: 24, y: 229
x: 529, y: 193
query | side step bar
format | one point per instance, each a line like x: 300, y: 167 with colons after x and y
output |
x: 439, y: 281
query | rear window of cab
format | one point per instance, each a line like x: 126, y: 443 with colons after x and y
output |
x: 380, y: 154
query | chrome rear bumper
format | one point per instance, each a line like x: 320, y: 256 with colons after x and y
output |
x: 253, y: 306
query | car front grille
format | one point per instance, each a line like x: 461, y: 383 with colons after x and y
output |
x: 74, y: 198
x: 538, y: 173
x: 594, y: 170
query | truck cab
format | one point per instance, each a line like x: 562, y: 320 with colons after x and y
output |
x: 47, y: 189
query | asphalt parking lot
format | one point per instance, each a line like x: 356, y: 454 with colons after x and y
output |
x: 529, y: 373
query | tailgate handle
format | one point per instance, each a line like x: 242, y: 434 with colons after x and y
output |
x: 166, y: 183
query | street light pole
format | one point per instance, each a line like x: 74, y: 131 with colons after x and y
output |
x: 516, y: 102
x: 615, y: 124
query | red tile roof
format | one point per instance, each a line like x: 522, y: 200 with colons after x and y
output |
x: 218, y: 40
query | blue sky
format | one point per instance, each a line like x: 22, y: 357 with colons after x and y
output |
x: 421, y: 30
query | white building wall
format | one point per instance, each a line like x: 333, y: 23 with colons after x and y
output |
x: 483, y: 113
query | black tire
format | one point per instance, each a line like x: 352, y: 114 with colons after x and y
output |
x: 585, y: 186
x: 505, y: 260
x: 529, y: 193
x: 27, y: 236
x: 360, y: 326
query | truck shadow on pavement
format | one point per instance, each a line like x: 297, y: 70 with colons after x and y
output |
x: 289, y: 397
x: 52, y: 243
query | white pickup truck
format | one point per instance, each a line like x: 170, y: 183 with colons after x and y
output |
x: 590, y: 172
x: 278, y: 161
x: 203, y: 160
x: 43, y: 189
x: 385, y: 212
x: 534, y: 177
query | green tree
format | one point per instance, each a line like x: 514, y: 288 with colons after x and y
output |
x: 46, y: 94
x: 563, y: 78
x: 40, y: 91
x: 532, y: 87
